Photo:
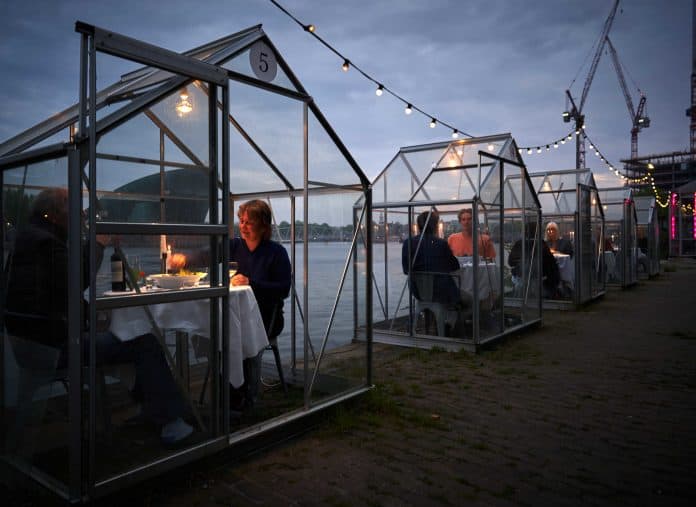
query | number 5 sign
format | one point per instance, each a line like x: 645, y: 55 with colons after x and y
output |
x: 263, y: 61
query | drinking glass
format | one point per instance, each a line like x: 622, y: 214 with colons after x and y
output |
x: 232, y: 267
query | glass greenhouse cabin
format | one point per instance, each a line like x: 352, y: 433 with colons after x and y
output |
x: 435, y: 182
x: 682, y: 221
x: 161, y: 160
x: 620, y: 222
x: 570, y: 199
x: 648, y: 236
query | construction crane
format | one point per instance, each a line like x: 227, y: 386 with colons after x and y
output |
x: 575, y: 112
x: 639, y: 120
x: 691, y: 112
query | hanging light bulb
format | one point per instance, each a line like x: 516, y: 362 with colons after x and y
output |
x: 379, y: 90
x: 547, y: 147
x: 310, y: 28
x: 455, y: 134
x: 183, y: 105
x: 409, y: 109
x: 346, y: 65
x: 563, y: 141
x: 529, y: 151
x: 591, y: 146
x: 555, y: 145
x: 538, y: 149
x: 570, y: 136
x: 433, y: 122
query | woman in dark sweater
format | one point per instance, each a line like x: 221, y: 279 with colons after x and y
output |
x: 263, y: 265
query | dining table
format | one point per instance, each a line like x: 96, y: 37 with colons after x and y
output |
x: 610, y: 273
x: 246, y: 338
x: 566, y: 268
x: 488, y: 279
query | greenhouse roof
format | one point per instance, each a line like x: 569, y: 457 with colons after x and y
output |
x: 557, y: 189
x: 645, y: 208
x: 266, y: 117
x: 613, y: 201
x: 455, y: 170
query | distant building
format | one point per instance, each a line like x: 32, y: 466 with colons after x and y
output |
x: 674, y: 175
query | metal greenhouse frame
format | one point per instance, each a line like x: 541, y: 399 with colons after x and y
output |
x: 620, y: 236
x: 570, y: 198
x: 488, y: 176
x: 648, y: 236
x: 162, y: 159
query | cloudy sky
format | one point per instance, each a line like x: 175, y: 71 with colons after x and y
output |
x: 484, y: 66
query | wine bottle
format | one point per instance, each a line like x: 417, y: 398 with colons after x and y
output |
x: 118, y: 273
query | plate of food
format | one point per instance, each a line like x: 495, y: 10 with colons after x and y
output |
x: 178, y: 280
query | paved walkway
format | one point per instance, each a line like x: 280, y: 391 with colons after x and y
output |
x: 596, y: 407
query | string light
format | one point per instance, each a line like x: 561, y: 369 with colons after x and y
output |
x: 347, y: 64
x: 311, y: 29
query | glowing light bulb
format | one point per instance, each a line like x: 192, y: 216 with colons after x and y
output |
x: 570, y: 136
x: 310, y: 28
x: 346, y: 65
x: 379, y: 90
x: 491, y: 147
x: 538, y: 149
x: 455, y: 134
x: 555, y: 145
x: 433, y: 122
x: 529, y: 151
x: 409, y: 109
x: 183, y: 105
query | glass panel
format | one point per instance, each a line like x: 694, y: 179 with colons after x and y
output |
x: 183, y: 119
x: 457, y: 184
x: 34, y: 332
x: 326, y: 163
x: 276, y: 125
x: 398, y: 182
x: 134, y: 192
x: 155, y: 387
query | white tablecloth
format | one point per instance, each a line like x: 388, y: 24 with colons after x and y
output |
x: 610, y: 266
x: 566, y: 267
x: 488, y: 280
x: 247, y: 335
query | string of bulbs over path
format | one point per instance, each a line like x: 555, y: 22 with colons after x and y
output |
x: 381, y: 88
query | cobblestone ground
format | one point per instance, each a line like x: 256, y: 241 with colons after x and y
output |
x: 596, y: 407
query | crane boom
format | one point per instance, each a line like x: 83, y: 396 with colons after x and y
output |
x: 598, y: 53
x: 622, y: 80
x: 576, y: 112
x: 638, y: 120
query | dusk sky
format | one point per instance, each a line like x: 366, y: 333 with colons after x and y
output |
x: 483, y: 66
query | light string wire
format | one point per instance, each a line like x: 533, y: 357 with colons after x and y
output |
x: 348, y: 63
x: 410, y: 106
